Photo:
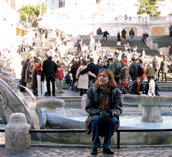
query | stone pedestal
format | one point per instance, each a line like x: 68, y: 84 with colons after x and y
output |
x: 151, y: 114
x: 17, y: 132
x: 151, y: 106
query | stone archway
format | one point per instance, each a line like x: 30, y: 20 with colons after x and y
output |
x: 129, y: 28
x: 157, y: 31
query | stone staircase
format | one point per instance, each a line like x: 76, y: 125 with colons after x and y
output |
x: 111, y: 45
x: 163, y: 86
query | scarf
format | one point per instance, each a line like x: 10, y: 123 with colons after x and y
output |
x: 138, y: 86
x: 104, y: 102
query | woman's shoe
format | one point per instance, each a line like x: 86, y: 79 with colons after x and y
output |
x: 107, y: 151
x: 93, y: 151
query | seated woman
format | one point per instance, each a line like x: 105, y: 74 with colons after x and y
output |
x: 137, y: 87
x: 104, y: 105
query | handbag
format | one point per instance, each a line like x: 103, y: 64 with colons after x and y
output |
x: 88, y: 124
x: 76, y: 84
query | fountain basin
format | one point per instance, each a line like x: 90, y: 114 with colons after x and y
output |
x: 133, y: 138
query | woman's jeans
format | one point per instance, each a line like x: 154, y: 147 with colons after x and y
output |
x: 111, y: 127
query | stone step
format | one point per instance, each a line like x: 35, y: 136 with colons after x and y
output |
x: 163, y: 86
x: 162, y: 41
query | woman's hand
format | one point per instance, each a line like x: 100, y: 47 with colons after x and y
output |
x: 104, y: 116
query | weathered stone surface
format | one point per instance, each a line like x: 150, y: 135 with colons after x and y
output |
x: 151, y: 114
x: 50, y: 104
x: 11, y: 103
x: 17, y: 132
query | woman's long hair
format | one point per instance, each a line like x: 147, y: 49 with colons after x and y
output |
x: 112, y: 84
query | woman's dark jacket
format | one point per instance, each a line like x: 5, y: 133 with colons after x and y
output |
x: 94, y: 96
x: 134, y: 88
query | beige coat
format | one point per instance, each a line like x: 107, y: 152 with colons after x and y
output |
x: 83, y: 79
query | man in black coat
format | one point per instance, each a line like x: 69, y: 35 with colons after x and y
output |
x: 99, y: 33
x: 131, y: 33
x: 49, y: 70
x: 133, y: 70
x: 105, y: 35
x: 79, y: 45
x: 92, y: 68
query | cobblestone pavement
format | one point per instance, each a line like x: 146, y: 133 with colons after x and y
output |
x: 125, y: 151
x: 72, y: 151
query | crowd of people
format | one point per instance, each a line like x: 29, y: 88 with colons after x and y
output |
x: 83, y: 66
x: 121, y: 35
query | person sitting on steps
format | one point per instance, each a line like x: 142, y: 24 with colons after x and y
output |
x: 104, y: 105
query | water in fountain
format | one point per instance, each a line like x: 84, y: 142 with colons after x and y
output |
x: 64, y: 112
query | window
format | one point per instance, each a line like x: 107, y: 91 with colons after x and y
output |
x: 61, y: 3
x: 53, y: 3
x: 97, y: 1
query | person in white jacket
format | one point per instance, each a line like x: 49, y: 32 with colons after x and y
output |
x: 82, y: 83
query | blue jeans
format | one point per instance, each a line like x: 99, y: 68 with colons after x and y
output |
x: 105, y: 37
x: 98, y: 37
x: 91, y: 82
x: 111, y: 127
x: 131, y: 38
x: 73, y: 87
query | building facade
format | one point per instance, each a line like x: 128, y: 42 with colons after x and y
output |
x: 8, y: 19
x: 84, y: 17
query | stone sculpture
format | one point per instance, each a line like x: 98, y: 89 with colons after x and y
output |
x: 40, y: 113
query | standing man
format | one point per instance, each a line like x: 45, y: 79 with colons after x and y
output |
x: 49, y: 69
x: 99, y: 33
x: 164, y: 67
x: 105, y: 35
x: 131, y: 33
x: 116, y: 69
x: 92, y: 68
x: 23, y: 74
x: 118, y: 39
x: 156, y: 66
x: 170, y: 53
x: 59, y: 78
x: 79, y: 45
x: 133, y: 70
x: 150, y: 72
x: 73, y: 70
x: 123, y: 32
